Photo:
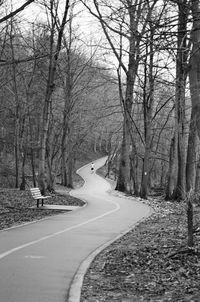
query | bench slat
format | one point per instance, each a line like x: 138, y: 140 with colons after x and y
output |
x: 36, y: 194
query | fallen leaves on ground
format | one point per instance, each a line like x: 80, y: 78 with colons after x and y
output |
x: 15, y: 206
x: 150, y: 263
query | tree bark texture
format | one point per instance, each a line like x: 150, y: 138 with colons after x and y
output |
x: 197, y: 180
x: 123, y: 182
x: 70, y: 165
x: 134, y: 174
x: 66, y: 174
x: 181, y: 75
x: 194, y: 71
x: 145, y: 173
x: 50, y: 179
x: 33, y: 167
x: 172, y: 173
x: 190, y: 224
x: 146, y: 160
x: 17, y: 150
x: 191, y: 153
x: 17, y: 111
x: 23, y: 179
x: 148, y: 101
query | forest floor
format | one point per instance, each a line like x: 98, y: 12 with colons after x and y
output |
x: 17, y: 207
x: 149, y: 263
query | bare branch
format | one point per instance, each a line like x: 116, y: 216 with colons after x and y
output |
x: 12, y: 14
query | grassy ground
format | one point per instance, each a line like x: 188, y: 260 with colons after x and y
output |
x: 15, y: 206
x: 150, y: 263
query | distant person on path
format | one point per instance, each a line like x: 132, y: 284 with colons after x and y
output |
x: 92, y: 167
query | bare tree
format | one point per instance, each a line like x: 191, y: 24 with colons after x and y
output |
x: 194, y: 68
x: 55, y: 48
x: 16, y: 11
x: 126, y: 23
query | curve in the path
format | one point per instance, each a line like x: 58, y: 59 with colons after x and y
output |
x: 38, y: 260
x: 95, y: 186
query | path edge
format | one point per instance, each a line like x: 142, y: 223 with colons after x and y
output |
x: 74, y: 292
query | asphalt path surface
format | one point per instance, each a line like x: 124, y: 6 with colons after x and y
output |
x: 38, y: 260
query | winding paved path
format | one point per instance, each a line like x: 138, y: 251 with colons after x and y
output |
x: 38, y: 260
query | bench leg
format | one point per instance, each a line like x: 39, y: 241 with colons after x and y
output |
x: 38, y: 203
x: 42, y: 202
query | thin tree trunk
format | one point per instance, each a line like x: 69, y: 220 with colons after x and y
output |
x: 64, y: 144
x: 33, y: 167
x: 70, y: 165
x: 145, y: 175
x: 191, y: 153
x: 65, y: 148
x: 172, y: 173
x: 163, y: 176
x: 23, y: 182
x: 17, y: 152
x: 190, y: 224
x: 146, y: 165
x: 49, y: 91
x: 148, y: 100
x: 197, y: 179
x: 63, y: 165
x: 17, y: 111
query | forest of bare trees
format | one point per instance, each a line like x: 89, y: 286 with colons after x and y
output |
x: 132, y: 91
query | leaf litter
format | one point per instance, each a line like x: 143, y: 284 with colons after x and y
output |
x: 151, y: 263
x: 16, y: 207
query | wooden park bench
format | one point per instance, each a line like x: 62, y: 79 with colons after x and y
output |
x: 36, y: 194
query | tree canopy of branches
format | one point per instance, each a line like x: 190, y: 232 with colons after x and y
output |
x: 138, y: 101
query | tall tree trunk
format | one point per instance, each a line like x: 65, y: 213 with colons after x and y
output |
x: 194, y: 76
x: 65, y: 142
x: 133, y: 13
x: 194, y: 71
x: 191, y: 153
x: 17, y: 109
x: 45, y: 126
x: 123, y: 181
x: 65, y: 134
x: 54, y: 54
x: 181, y: 75
x: 148, y: 100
